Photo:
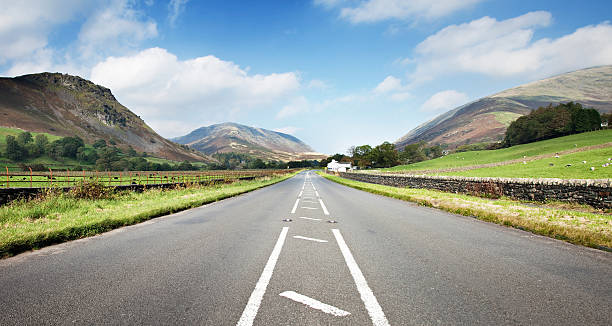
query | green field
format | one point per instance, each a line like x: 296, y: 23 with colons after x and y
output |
x: 576, y: 224
x: 550, y: 146
x: 63, y: 164
x: 59, y: 217
x: 551, y: 167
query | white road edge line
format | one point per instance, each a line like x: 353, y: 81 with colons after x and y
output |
x: 315, y: 304
x: 250, y: 311
x: 297, y: 201
x: 309, y: 239
x: 316, y: 192
x: 323, y: 206
x: 310, y: 218
x: 367, y: 296
x: 300, y: 195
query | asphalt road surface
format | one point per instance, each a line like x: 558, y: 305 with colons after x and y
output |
x: 236, y: 262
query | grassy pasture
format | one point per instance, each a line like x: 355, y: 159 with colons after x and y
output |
x: 549, y: 146
x: 552, y: 167
x: 58, y: 217
x: 571, y: 223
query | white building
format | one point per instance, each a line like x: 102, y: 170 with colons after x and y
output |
x: 336, y: 166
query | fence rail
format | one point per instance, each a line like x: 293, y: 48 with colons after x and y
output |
x: 68, y: 178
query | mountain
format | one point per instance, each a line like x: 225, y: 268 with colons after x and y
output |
x: 66, y: 105
x: 261, y: 143
x: 486, y: 119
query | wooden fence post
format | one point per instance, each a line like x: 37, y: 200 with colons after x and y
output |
x: 7, y: 177
x: 51, y: 171
x: 30, y: 176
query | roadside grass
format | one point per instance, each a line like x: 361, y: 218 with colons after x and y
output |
x: 549, y: 146
x: 59, y: 217
x: 542, y: 168
x: 574, y: 226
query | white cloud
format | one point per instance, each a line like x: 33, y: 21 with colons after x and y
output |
x: 389, y: 84
x: 108, y: 27
x: 291, y: 130
x: 318, y: 84
x: 157, y: 85
x: 328, y: 3
x: 175, y: 9
x: 25, y: 25
x: 377, y: 10
x: 392, y: 87
x: 444, y: 100
x: 506, y: 48
x: 115, y: 28
x: 297, y: 106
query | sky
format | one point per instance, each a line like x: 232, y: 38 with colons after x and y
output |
x: 334, y: 73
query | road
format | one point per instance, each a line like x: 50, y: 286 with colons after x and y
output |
x: 236, y: 262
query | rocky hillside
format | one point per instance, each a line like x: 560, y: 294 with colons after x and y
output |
x: 68, y: 105
x: 486, y: 119
x: 258, y: 142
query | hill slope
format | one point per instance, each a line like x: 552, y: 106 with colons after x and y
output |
x: 486, y: 119
x: 66, y: 105
x: 262, y: 143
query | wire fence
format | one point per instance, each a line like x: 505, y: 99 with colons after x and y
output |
x: 68, y: 178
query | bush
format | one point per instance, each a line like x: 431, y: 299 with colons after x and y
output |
x: 91, y: 190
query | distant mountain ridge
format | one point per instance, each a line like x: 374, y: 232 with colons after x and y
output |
x: 258, y: 142
x: 486, y: 119
x: 66, y: 105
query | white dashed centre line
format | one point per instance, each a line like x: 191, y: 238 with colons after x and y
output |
x: 367, y: 296
x: 315, y: 304
x: 297, y: 201
x: 323, y: 206
x: 309, y: 239
x: 250, y: 311
x: 310, y: 218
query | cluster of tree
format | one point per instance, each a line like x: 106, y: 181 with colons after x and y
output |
x: 99, y: 155
x: 235, y: 161
x: 365, y: 156
x: 419, y: 152
x: 550, y: 122
x: 385, y: 155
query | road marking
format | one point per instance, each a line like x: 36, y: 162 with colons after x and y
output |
x: 316, y: 192
x: 300, y: 195
x: 323, y: 206
x: 310, y: 218
x: 250, y: 311
x: 309, y: 201
x: 308, y: 207
x: 295, y: 206
x: 307, y: 238
x: 313, y: 187
x: 367, y: 296
x: 315, y: 304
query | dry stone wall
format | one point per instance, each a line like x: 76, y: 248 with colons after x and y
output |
x: 596, y: 193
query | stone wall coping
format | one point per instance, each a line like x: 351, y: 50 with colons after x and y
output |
x: 603, y: 183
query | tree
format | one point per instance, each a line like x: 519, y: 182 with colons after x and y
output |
x: 24, y: 138
x: 99, y: 143
x: 385, y: 155
x: 41, y: 141
x: 413, y: 153
x: 14, y: 151
x: 362, y: 156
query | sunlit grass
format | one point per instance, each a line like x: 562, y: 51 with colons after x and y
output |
x: 549, y: 146
x: 59, y: 217
x: 573, y: 225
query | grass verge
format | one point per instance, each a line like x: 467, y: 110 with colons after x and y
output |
x: 60, y: 217
x: 582, y: 228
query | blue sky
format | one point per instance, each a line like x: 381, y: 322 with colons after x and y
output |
x: 334, y: 73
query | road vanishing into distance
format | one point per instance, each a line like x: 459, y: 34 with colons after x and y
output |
x: 236, y: 262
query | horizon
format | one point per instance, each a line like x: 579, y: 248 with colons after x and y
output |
x: 312, y: 69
